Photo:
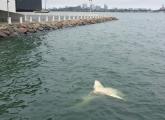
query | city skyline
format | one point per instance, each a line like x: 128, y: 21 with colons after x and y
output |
x: 153, y: 4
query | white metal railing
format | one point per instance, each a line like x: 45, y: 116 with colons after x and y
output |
x: 46, y: 18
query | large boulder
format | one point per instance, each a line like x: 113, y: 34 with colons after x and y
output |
x: 13, y: 34
x: 22, y: 25
x: 59, y: 25
x: 23, y: 30
x: 6, y: 32
x: 40, y: 28
x: 32, y: 30
x: 2, y: 34
x: 114, y: 18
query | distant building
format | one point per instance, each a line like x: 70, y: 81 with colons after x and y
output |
x: 84, y: 6
x: 11, y: 3
x: 98, y: 7
x: 162, y: 8
x: 105, y: 7
x: 92, y: 7
x: 28, y: 5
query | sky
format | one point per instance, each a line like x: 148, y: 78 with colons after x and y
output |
x: 153, y: 4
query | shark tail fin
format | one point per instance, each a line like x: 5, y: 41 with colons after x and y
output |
x: 97, y: 85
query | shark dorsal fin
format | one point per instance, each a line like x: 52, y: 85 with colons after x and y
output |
x: 97, y: 85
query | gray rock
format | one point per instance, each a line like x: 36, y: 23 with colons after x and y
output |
x: 40, y: 29
x: 2, y: 34
x: 22, y: 30
x: 13, y: 34
x: 6, y: 32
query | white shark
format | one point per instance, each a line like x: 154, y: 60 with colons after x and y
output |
x: 107, y: 91
x: 98, y: 90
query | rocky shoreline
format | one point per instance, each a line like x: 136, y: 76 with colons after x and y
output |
x: 26, y: 28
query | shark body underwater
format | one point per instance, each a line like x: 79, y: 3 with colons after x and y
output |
x: 99, y: 90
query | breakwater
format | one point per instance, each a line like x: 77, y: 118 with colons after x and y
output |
x: 11, y: 30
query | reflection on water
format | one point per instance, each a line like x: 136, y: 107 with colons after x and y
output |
x: 44, y: 77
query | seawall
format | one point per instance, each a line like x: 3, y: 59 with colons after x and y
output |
x: 12, y: 30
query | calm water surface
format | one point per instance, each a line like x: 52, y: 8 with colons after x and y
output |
x: 43, y: 77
